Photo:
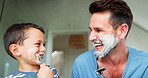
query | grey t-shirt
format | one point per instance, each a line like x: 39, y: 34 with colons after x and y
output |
x: 20, y: 74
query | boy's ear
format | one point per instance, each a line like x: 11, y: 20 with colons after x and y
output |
x: 122, y: 31
x: 14, y: 49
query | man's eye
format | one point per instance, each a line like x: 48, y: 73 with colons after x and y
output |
x: 38, y: 43
x: 98, y: 30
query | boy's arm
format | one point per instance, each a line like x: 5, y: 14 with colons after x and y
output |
x: 45, y: 72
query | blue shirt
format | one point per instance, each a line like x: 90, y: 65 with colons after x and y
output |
x: 85, y: 65
x: 20, y: 74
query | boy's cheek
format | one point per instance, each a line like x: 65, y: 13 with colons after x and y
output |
x: 30, y: 54
x: 32, y: 50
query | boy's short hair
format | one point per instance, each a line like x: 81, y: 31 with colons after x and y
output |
x: 16, y: 34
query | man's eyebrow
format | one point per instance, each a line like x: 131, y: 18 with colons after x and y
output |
x: 94, y: 28
x: 89, y: 27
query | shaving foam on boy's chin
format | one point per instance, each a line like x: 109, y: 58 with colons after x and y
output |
x: 39, y: 57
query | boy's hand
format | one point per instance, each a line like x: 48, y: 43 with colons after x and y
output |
x: 45, y: 72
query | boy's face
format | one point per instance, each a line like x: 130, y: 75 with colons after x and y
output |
x: 33, y: 48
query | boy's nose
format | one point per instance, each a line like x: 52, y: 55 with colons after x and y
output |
x: 43, y: 49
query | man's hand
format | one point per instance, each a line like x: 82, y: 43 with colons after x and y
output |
x: 45, y: 72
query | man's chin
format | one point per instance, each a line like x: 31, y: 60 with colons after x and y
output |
x: 98, y: 53
x: 101, y: 54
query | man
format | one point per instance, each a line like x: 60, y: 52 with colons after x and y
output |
x: 109, y: 24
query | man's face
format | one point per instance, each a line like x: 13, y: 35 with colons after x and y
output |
x: 33, y: 48
x: 102, y: 34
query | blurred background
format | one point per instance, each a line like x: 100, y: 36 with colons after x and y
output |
x: 66, y: 24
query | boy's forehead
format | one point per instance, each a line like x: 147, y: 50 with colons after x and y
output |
x: 31, y: 29
x: 33, y: 32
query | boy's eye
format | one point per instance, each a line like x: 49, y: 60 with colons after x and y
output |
x: 44, y: 44
x: 40, y: 44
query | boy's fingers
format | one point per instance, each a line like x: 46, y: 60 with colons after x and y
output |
x: 43, y: 64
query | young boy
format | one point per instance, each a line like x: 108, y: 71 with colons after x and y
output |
x: 25, y: 42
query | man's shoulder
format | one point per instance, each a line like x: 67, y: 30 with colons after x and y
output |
x: 137, y: 61
x: 86, y: 55
x: 136, y: 52
x: 139, y: 55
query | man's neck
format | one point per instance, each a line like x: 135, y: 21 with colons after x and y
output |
x: 115, y: 62
x: 116, y: 57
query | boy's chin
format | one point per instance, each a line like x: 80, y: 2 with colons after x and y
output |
x: 38, y: 62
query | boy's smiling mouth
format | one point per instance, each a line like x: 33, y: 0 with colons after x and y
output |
x: 39, y: 57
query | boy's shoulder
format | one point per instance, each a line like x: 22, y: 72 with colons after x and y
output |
x: 19, y: 74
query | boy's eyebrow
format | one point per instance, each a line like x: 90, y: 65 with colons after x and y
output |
x: 41, y: 41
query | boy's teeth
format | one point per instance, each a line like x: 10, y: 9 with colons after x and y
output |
x: 38, y: 57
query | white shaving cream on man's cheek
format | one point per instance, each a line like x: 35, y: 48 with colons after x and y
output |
x: 109, y: 42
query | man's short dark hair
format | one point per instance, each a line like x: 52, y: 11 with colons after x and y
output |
x: 120, y: 11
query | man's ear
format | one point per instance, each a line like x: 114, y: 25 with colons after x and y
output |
x: 122, y: 31
x: 14, y: 49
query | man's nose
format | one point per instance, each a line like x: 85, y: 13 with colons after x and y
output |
x: 92, y: 36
